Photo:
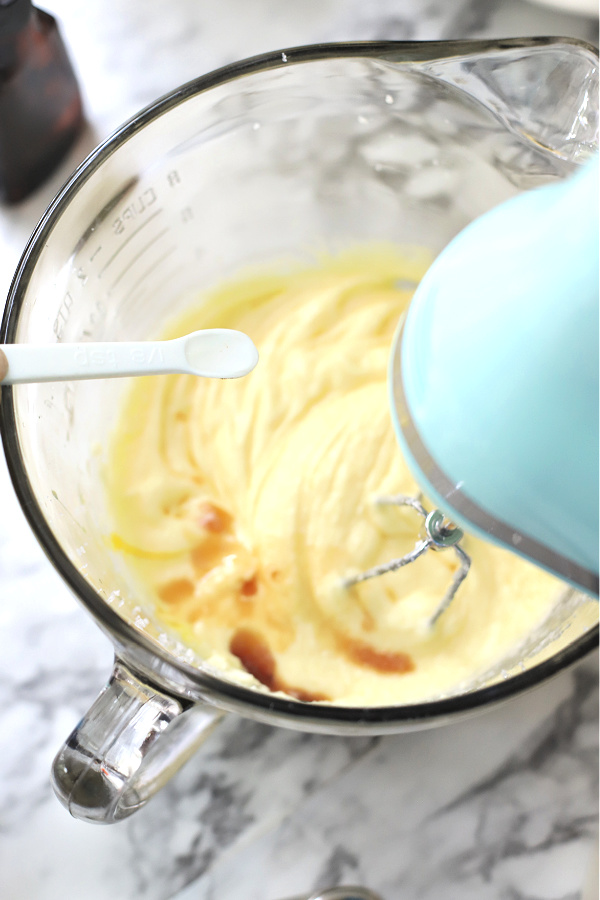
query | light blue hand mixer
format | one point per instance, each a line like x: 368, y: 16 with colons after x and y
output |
x: 494, y: 384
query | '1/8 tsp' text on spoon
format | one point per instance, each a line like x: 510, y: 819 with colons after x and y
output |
x: 212, y: 353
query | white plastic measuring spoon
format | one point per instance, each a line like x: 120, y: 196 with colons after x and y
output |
x: 212, y: 353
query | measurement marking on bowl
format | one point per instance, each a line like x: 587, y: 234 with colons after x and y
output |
x: 135, y: 258
x: 62, y: 316
x: 127, y: 239
x: 141, y: 295
x: 104, y: 213
x: 151, y: 269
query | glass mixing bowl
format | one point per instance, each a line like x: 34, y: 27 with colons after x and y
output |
x: 313, y: 147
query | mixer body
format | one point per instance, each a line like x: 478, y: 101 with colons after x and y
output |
x: 494, y: 378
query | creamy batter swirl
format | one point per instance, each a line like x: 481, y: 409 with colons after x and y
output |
x: 242, y: 504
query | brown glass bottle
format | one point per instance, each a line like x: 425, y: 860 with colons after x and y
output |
x: 40, y: 105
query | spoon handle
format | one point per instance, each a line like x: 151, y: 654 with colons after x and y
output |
x: 68, y: 362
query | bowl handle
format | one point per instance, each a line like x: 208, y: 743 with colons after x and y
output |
x: 131, y: 741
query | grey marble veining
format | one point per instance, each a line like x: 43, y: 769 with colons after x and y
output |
x: 499, y: 807
x: 503, y: 806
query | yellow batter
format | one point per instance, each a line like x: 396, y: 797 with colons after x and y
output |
x: 241, y: 504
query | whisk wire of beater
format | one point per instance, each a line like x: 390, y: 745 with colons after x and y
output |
x: 440, y: 535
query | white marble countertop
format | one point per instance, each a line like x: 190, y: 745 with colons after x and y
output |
x: 500, y: 807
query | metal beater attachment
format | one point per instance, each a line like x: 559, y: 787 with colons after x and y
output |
x: 440, y: 534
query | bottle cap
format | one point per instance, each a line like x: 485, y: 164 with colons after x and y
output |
x: 14, y: 15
